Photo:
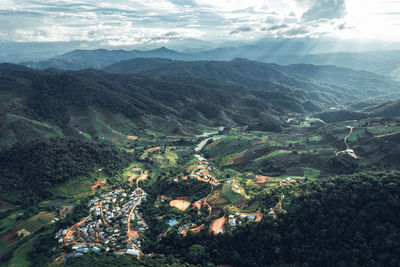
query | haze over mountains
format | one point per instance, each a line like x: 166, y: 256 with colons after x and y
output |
x: 381, y: 62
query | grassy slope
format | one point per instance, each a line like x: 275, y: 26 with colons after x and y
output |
x: 232, y: 196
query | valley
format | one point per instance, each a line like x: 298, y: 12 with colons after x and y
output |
x: 188, y: 133
x: 221, y: 181
x: 136, y: 165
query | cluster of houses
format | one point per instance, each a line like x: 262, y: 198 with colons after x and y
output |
x: 114, y: 225
x: 237, y: 219
x: 204, y: 175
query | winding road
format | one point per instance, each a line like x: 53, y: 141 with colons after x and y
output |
x: 348, y: 150
x: 345, y: 139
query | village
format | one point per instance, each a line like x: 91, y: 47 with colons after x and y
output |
x: 114, y: 225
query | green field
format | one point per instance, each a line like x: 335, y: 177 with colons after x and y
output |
x: 316, y: 138
x: 16, y: 128
x: 311, y: 173
x: 21, y: 256
x: 275, y: 154
x: 232, y: 196
x: 77, y: 188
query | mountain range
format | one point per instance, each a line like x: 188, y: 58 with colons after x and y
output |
x: 381, y: 62
x: 176, y: 96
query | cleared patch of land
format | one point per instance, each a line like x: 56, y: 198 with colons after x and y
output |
x: 130, y: 137
x: 194, y: 230
x: 153, y: 149
x: 217, y: 226
x: 132, y: 177
x: 180, y: 204
x: 77, y: 187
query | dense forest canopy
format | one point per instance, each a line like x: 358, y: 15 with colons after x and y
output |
x: 346, y: 221
x: 29, y: 170
x: 50, y: 96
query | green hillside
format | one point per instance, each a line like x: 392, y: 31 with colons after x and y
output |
x: 28, y: 171
x: 328, y: 85
x: 115, y: 162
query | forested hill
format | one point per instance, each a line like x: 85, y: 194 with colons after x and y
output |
x: 28, y: 171
x: 240, y: 92
x: 50, y: 96
x: 342, y: 221
x: 387, y: 108
x: 329, y: 83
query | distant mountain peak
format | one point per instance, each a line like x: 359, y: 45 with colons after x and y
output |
x: 164, y: 49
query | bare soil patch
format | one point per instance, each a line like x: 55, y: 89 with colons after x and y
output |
x: 180, y: 204
x: 217, y: 225
x: 259, y: 216
x: 131, y: 137
x: 261, y: 179
x: 132, y: 177
x: 99, y: 183
x: 153, y: 149
x: 194, y: 230
x: 197, y: 205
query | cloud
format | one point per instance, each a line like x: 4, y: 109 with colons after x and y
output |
x: 230, y: 5
x: 135, y: 22
x: 272, y: 20
x: 241, y: 29
x: 327, y: 9
x: 300, y: 31
x: 341, y: 26
x: 171, y: 34
x: 278, y: 27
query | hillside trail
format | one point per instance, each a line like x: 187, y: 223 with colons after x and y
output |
x: 345, y: 139
x: 348, y: 150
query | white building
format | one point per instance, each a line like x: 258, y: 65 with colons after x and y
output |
x: 132, y: 251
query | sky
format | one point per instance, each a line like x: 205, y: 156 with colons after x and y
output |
x: 130, y: 23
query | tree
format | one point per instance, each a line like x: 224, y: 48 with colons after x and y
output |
x: 196, y: 254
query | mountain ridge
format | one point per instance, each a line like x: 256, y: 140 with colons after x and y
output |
x: 380, y: 62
